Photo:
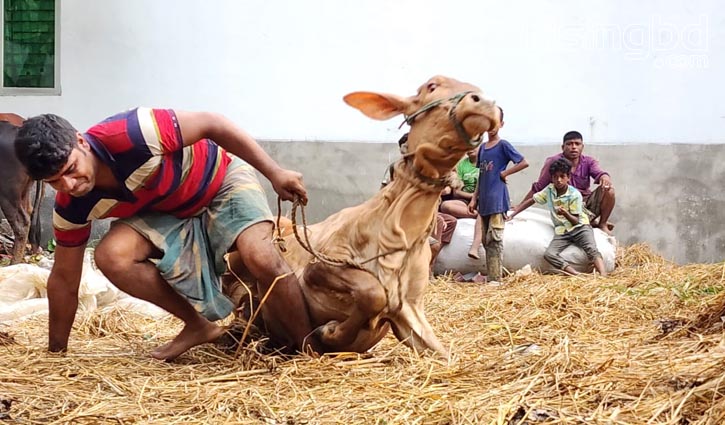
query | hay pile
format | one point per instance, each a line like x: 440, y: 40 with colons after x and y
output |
x: 642, y: 346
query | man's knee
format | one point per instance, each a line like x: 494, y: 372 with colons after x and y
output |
x: 548, y: 255
x: 435, y: 249
x: 256, y: 249
x: 263, y: 258
x: 592, y: 252
x: 552, y: 257
x: 121, y: 248
x: 110, y: 258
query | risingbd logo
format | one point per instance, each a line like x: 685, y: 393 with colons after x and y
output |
x: 667, y: 41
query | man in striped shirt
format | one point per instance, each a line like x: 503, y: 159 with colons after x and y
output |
x: 183, y: 198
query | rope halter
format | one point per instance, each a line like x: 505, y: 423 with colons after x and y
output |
x: 456, y: 99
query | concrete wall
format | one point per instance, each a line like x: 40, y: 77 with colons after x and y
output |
x: 667, y: 195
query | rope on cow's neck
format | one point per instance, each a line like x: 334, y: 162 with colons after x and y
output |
x: 430, y: 184
x: 319, y: 256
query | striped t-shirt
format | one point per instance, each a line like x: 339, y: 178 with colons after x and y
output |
x: 145, y: 151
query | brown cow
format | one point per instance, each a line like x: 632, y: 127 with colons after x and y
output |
x: 383, y: 242
x: 15, y: 190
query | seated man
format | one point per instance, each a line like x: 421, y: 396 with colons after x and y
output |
x: 442, y: 234
x: 184, y: 198
x: 598, y: 203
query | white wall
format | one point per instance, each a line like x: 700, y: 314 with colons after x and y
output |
x: 619, y: 71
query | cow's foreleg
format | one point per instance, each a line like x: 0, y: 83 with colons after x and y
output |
x: 359, y: 295
x: 409, y: 322
x: 412, y: 328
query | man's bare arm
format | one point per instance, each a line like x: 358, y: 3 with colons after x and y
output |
x: 513, y: 170
x: 63, y: 282
x: 520, y: 207
x: 209, y: 125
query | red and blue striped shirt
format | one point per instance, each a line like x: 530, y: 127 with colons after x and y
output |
x: 145, y: 151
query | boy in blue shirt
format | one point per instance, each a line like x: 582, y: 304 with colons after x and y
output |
x: 491, y: 198
x: 571, y: 225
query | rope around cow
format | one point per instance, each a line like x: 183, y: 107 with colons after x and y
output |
x: 279, y: 241
x: 323, y: 258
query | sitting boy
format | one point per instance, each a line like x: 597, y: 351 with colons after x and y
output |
x: 571, y: 225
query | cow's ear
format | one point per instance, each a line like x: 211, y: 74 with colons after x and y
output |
x: 377, y: 106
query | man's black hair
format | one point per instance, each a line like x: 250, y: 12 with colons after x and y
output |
x: 501, y: 110
x: 561, y: 165
x: 571, y: 135
x: 43, y: 145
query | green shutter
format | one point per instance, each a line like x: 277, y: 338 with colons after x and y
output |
x: 29, y: 43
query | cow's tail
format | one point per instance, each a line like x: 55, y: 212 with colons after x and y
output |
x: 35, y: 230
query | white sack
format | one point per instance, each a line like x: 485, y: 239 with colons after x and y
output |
x: 23, y: 309
x: 145, y: 308
x: 23, y: 291
x: 526, y: 238
x: 22, y: 282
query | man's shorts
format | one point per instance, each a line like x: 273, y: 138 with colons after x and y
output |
x: 193, y: 248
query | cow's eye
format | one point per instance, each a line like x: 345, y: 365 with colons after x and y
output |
x: 432, y: 87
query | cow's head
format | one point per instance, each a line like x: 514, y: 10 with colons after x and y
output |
x: 446, y: 118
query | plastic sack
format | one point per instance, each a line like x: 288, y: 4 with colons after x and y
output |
x: 23, y: 309
x: 23, y: 290
x: 22, y: 282
x: 526, y: 238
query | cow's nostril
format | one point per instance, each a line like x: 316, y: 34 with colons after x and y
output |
x: 475, y: 98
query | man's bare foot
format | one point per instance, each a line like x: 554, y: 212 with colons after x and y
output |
x: 569, y: 270
x: 605, y: 229
x: 187, y: 338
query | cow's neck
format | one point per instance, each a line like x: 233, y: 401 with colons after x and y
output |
x: 410, y: 203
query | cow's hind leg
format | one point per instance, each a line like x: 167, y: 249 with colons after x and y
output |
x: 359, y: 290
x: 19, y: 222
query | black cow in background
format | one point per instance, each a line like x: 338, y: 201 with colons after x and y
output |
x: 15, y: 186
